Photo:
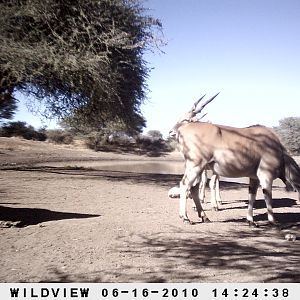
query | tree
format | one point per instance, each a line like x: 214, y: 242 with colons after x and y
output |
x: 22, y: 129
x: 81, y: 59
x: 289, y: 132
x: 155, y: 134
x: 8, y: 105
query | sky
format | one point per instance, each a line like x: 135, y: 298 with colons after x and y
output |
x: 249, y: 51
x: 246, y: 50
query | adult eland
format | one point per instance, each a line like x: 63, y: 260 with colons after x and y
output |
x: 255, y: 152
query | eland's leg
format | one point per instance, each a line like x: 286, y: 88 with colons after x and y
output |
x: 218, y: 194
x: 195, y: 195
x: 213, y: 192
x: 182, y: 200
x: 268, y: 199
x: 266, y: 181
x: 198, y: 184
x: 190, y: 176
x: 253, y: 186
x: 202, y: 186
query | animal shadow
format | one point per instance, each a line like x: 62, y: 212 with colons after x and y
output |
x: 276, y: 203
x: 22, y: 217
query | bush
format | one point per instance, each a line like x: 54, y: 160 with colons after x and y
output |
x: 59, y: 136
x: 143, y: 141
x: 105, y: 139
x: 22, y: 129
x: 95, y: 139
x: 171, y: 144
x: 289, y: 132
x: 120, y: 138
x: 155, y: 135
x: 153, y: 143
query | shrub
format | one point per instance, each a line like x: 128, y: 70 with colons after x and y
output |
x: 153, y: 143
x: 59, y: 136
x: 154, y: 135
x: 94, y: 140
x: 171, y: 144
x: 22, y: 129
x: 289, y: 132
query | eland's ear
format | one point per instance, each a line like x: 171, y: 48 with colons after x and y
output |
x: 194, y: 119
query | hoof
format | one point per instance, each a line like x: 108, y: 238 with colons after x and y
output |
x: 253, y: 224
x: 205, y: 220
x: 274, y: 223
x: 186, y: 222
x: 216, y: 208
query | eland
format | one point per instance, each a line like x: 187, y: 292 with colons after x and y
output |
x: 254, y: 152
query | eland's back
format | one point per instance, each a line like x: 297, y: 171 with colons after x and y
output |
x: 230, y: 151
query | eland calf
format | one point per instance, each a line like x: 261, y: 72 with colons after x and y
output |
x: 214, y: 185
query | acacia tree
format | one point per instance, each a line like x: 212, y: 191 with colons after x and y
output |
x: 8, y: 106
x: 82, y: 59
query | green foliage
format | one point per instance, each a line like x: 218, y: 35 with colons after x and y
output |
x: 289, y: 132
x: 81, y: 59
x: 21, y: 129
x: 8, y: 105
x: 117, y: 125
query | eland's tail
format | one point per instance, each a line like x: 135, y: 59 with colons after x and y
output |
x: 292, y: 172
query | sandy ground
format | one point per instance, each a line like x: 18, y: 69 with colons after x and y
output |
x: 64, y: 223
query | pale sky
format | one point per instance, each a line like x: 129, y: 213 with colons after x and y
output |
x: 249, y: 51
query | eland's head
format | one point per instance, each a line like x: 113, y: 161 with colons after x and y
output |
x: 191, y: 115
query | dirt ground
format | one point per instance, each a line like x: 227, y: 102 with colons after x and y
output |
x: 67, y: 223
